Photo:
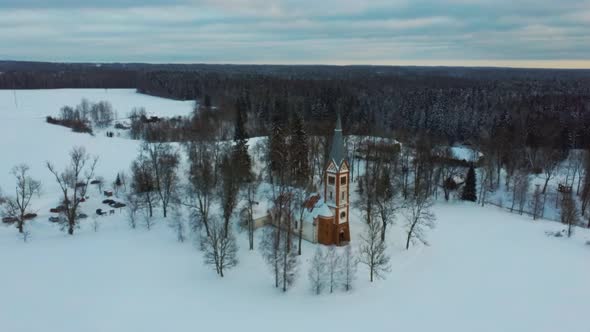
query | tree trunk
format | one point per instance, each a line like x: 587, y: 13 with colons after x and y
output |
x: 546, y: 183
x: 150, y: 206
x: 226, y: 227
x: 300, y: 237
x: 371, y: 273
x: 207, y: 227
x: 251, y: 233
x: 410, y: 236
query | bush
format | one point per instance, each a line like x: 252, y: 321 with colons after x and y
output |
x: 78, y: 126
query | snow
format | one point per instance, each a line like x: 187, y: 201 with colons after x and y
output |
x: 485, y: 269
x: 26, y: 137
x: 465, y: 153
x: 496, y: 272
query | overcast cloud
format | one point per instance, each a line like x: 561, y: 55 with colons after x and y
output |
x: 544, y: 33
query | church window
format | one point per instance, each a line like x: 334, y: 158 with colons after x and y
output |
x: 331, y: 180
x: 331, y: 196
x: 342, y: 215
x: 343, y: 197
x: 343, y: 180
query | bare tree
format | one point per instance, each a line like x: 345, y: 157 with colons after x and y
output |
x: 418, y: 217
x: 269, y: 248
x: 164, y: 162
x: 569, y: 213
x: 202, y: 186
x: 373, y: 251
x: 95, y: 223
x: 148, y: 220
x: 18, y: 205
x: 249, y: 197
x: 385, y: 202
x: 99, y: 183
x: 520, y: 189
x: 26, y: 235
x: 123, y: 180
x: 333, y: 262
x: 133, y: 207
x: 143, y: 183
x: 300, y: 198
x: 219, y: 248
x: 280, y: 256
x: 73, y: 182
x: 348, y: 268
x: 177, y: 223
x: 366, y: 197
x: 549, y: 159
x: 289, y: 263
x: 317, y: 271
x: 537, y: 203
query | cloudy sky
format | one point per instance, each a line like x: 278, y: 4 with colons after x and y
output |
x: 522, y: 33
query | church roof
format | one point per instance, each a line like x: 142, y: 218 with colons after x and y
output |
x: 337, y: 150
x: 315, y: 207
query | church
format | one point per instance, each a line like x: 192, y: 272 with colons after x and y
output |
x: 329, y: 215
x: 325, y: 215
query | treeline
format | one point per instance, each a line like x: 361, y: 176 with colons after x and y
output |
x: 454, y: 109
x: 450, y: 104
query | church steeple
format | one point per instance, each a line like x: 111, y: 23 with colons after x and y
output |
x: 337, y: 150
x: 336, y: 192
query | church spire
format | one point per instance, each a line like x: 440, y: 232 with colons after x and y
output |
x: 337, y: 151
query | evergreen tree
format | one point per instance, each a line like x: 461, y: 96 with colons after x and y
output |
x: 469, y: 193
x: 240, y: 153
x: 207, y: 101
x: 118, y: 182
x: 277, y: 149
x: 299, y: 152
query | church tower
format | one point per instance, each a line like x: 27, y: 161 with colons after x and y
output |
x: 336, y: 191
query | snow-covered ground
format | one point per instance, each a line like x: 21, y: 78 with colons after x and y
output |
x: 485, y: 269
x: 26, y: 137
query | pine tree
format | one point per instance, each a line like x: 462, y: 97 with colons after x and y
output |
x: 299, y: 152
x: 278, y: 148
x: 469, y: 193
x: 240, y: 153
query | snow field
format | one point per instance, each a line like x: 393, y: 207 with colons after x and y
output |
x: 485, y: 269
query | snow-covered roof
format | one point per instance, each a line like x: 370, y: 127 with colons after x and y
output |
x: 260, y: 209
x: 316, y: 206
x: 466, y: 153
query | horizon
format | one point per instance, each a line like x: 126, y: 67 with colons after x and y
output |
x: 474, y: 33
x: 484, y: 64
